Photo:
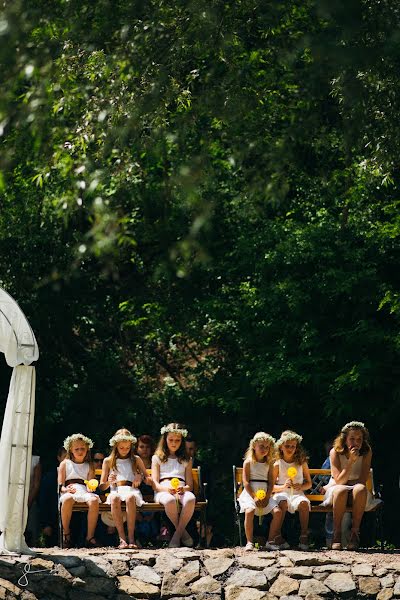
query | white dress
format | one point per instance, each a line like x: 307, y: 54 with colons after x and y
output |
x: 355, y: 473
x: 258, y: 480
x: 293, y: 497
x: 168, y: 470
x: 124, y: 472
x: 78, y: 471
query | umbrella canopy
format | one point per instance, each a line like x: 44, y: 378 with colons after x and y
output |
x: 18, y: 343
x: 17, y: 340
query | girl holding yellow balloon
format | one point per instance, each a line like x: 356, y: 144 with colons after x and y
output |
x: 171, y: 469
x: 292, y: 477
x: 75, y: 478
x: 255, y: 499
x: 123, y: 471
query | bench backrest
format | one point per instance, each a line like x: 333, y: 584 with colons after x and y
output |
x: 197, y: 483
x: 319, y: 478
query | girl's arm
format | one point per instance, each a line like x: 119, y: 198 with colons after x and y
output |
x: 62, y: 474
x: 365, y: 468
x: 188, y: 487
x: 155, y: 475
x: 278, y: 488
x: 274, y: 476
x: 341, y: 476
x: 246, y: 478
x: 142, y: 470
x: 104, y: 483
x: 92, y: 472
x: 307, y: 484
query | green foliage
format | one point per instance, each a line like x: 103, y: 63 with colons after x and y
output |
x: 199, y: 214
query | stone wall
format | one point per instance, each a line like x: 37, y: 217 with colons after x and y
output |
x: 226, y: 574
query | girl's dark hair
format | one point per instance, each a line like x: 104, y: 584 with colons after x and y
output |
x: 148, y: 440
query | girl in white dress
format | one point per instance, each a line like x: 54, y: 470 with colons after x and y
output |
x: 350, y: 465
x: 258, y: 475
x: 73, y: 471
x: 292, y: 477
x: 171, y: 464
x: 123, y: 472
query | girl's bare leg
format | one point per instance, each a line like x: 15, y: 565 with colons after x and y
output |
x: 249, y: 524
x: 274, y: 528
x: 116, y: 512
x: 131, y: 517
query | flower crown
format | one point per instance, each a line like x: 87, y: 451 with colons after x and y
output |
x: 122, y: 437
x: 353, y: 425
x: 261, y: 436
x: 77, y: 436
x: 287, y: 436
x: 172, y: 429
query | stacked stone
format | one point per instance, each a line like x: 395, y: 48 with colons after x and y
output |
x: 226, y: 574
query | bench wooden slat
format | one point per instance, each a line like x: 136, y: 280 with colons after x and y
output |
x: 151, y: 506
x: 314, y: 497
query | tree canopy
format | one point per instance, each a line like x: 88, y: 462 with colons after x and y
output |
x: 199, y: 216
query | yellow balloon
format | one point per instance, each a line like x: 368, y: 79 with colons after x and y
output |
x: 261, y: 494
x: 92, y: 484
x: 292, y: 472
x: 175, y: 483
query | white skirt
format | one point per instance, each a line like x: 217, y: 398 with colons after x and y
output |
x: 247, y: 502
x: 81, y: 494
x: 124, y: 491
x: 293, y: 500
x: 371, y: 501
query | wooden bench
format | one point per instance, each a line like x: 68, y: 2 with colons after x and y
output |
x: 319, y: 478
x: 199, y: 490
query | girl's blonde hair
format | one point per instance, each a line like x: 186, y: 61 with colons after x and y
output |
x: 339, y: 444
x: 162, y: 450
x: 300, y: 455
x: 261, y: 436
x: 114, y: 454
x: 88, y: 456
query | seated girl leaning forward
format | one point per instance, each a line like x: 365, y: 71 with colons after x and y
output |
x: 292, y: 477
x: 258, y: 483
x: 76, y: 469
x: 350, y: 465
x: 173, y: 482
x: 123, y: 471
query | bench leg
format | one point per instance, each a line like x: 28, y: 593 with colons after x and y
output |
x: 60, y: 529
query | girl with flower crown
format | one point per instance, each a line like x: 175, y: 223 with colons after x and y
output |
x: 171, y: 465
x: 258, y: 477
x: 73, y: 472
x: 123, y: 471
x: 292, y: 477
x: 350, y: 465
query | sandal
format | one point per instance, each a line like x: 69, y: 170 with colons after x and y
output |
x: 91, y: 543
x: 337, y: 541
x: 123, y: 545
x: 303, y: 542
x: 354, y: 540
x: 66, y: 541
